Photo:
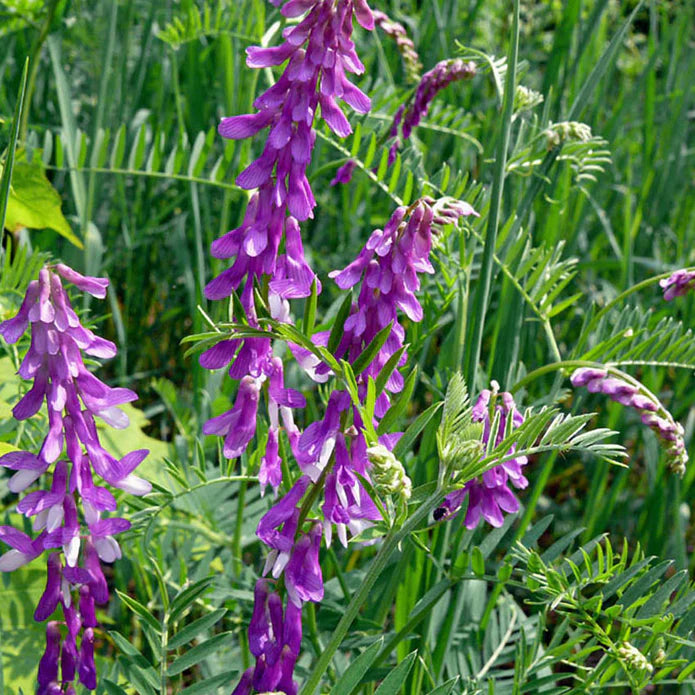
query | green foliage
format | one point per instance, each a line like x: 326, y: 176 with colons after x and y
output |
x: 33, y: 203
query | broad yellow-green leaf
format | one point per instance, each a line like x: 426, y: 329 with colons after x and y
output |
x: 34, y: 203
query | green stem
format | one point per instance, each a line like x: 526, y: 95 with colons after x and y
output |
x: 483, y: 290
x: 553, y: 367
x: 391, y: 542
x: 630, y: 290
x: 35, y: 61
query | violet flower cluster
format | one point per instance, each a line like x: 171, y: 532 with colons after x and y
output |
x: 69, y: 516
x: 678, y: 284
x: 624, y: 390
x: 388, y: 268
x: 490, y: 495
x: 333, y: 453
x: 319, y: 52
x: 409, y: 116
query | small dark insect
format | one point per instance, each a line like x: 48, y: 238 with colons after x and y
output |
x: 439, y: 513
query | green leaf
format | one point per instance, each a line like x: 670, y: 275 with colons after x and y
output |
x: 140, y: 610
x: 445, y: 688
x: 195, y: 628
x: 364, y: 359
x: 393, y: 682
x: 34, y: 203
x: 354, y: 672
x: 185, y: 598
x: 310, y: 310
x: 388, y: 368
x: 411, y: 434
x: 210, y: 685
x: 111, y: 688
x: 400, y: 406
x: 198, y: 653
x: 339, y: 323
x: 8, y: 169
x: 21, y: 638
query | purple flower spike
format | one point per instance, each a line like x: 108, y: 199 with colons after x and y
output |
x: 490, y: 495
x: 319, y: 52
x: 389, y: 267
x: 73, y: 398
x: 432, y: 82
x: 678, y: 284
x: 652, y: 413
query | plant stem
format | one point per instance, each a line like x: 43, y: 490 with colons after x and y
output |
x: 376, y: 568
x: 35, y: 60
x: 483, y: 290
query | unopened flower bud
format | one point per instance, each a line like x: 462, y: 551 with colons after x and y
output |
x: 634, y: 657
x: 388, y: 473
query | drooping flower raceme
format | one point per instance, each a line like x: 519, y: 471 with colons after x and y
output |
x: 405, y: 45
x: 409, y: 116
x: 678, y: 284
x: 69, y: 515
x: 490, y: 495
x: 319, y: 53
x: 621, y: 388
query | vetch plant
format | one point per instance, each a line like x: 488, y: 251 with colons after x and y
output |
x: 72, y: 531
x: 329, y: 509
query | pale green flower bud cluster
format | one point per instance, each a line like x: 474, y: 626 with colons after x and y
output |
x: 388, y: 475
x: 634, y: 657
x: 526, y: 98
x: 566, y: 131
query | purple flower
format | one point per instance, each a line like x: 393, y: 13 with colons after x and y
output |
x: 319, y: 52
x: 237, y: 425
x: 274, y: 640
x: 344, y: 172
x: 24, y: 549
x: 48, y: 666
x: 389, y: 267
x: 73, y: 398
x: 489, y: 495
x: 303, y: 578
x: 432, y: 82
x: 652, y: 413
x: 678, y: 284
